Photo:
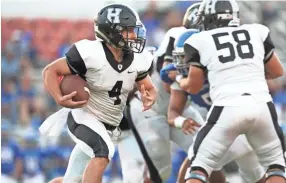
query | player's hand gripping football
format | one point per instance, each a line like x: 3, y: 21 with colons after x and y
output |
x: 66, y: 101
x: 147, y: 98
x: 190, y: 126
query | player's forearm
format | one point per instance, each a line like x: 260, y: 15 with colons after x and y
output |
x: 183, y: 169
x: 189, y: 85
x: 274, y: 67
x: 173, y: 114
x: 271, y: 76
x: 50, y: 77
x: 185, y: 85
x: 177, y: 103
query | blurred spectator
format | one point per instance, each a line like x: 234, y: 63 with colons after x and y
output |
x: 10, y: 64
x: 151, y: 22
x: 15, y: 44
x: 173, y: 19
x: 30, y: 50
x: 184, y: 5
x: 38, y: 114
x: 26, y: 95
x: 33, y: 159
x: 60, y: 154
x: 26, y: 66
x: 23, y: 127
x: 11, y: 157
x: 268, y: 13
x: 26, y: 89
x: 9, y: 101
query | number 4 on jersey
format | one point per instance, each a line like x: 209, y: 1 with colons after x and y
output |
x: 115, y: 92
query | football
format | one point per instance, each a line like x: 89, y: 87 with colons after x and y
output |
x: 73, y: 83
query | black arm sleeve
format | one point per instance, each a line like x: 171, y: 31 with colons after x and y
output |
x: 159, y: 63
x: 268, y: 48
x: 143, y: 75
x: 75, y: 62
x: 168, y: 54
x: 151, y: 69
x: 192, y: 56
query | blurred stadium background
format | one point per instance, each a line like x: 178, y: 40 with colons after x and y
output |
x: 36, y: 32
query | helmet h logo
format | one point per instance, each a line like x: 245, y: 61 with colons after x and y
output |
x: 113, y: 15
x: 193, y: 15
x: 210, y: 7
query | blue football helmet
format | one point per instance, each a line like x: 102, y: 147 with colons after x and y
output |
x: 179, y: 54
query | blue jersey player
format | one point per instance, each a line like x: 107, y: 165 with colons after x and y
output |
x: 200, y: 101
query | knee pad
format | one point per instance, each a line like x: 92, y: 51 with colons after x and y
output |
x: 276, y: 170
x: 194, y: 175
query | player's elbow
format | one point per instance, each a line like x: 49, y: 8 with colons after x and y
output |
x: 52, y: 69
x: 274, y: 67
x: 49, y: 75
x: 170, y: 118
x: 45, y: 72
x: 280, y: 72
x: 171, y: 123
x: 192, y: 90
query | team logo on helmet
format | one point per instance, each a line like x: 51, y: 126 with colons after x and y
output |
x: 113, y: 15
